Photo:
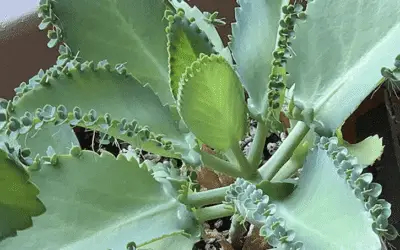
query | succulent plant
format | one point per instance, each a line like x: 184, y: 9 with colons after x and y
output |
x: 155, y: 75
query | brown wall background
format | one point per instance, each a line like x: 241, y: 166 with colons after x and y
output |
x: 23, y: 52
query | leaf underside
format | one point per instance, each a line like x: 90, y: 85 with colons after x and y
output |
x: 18, y: 197
x: 338, y: 61
x: 100, y: 202
x: 211, y: 102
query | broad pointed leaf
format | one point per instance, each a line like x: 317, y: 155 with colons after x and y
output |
x: 131, y: 32
x: 334, y: 205
x: 340, y: 50
x: 100, y: 202
x: 104, y: 91
x: 211, y: 102
x: 324, y: 211
x: 18, y: 196
x: 185, y: 43
x: 254, y: 39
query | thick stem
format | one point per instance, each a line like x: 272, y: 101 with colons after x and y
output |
x: 208, y: 197
x: 294, y: 163
x: 257, y: 146
x: 219, y: 165
x: 287, y: 170
x: 213, y: 212
x: 285, y: 151
x: 244, y: 164
x: 236, y: 232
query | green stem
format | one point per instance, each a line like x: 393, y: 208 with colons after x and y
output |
x: 294, y: 163
x: 284, y: 152
x: 208, y: 197
x: 213, y: 212
x: 244, y: 164
x: 287, y: 170
x: 257, y: 146
x: 219, y: 165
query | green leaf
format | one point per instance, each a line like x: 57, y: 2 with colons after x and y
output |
x: 100, y: 202
x: 126, y: 31
x: 252, y: 205
x: 206, y: 27
x: 367, y: 151
x: 324, y: 201
x: 185, y: 43
x: 60, y: 138
x: 340, y: 50
x: 255, y: 36
x: 101, y: 91
x: 211, y: 102
x: 297, y: 159
x: 334, y: 205
x: 276, y: 190
x: 18, y: 196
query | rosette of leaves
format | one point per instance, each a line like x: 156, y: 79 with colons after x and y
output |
x: 155, y: 74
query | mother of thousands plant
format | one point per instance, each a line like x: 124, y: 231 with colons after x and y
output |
x: 156, y: 75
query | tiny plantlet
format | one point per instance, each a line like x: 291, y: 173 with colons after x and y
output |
x: 154, y: 78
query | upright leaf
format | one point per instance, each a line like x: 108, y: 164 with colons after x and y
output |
x: 126, y: 31
x: 338, y: 61
x: 100, y: 202
x: 211, y: 102
x: 185, y: 43
x: 254, y: 39
x: 207, y: 27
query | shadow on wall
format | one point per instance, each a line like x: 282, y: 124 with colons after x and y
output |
x: 23, y: 52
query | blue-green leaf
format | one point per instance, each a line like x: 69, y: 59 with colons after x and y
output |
x: 123, y: 31
x: 340, y: 49
x: 254, y: 39
x: 102, y: 202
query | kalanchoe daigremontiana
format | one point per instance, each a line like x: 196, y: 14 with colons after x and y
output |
x: 155, y: 76
x: 255, y: 207
x: 392, y: 76
x: 361, y: 184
